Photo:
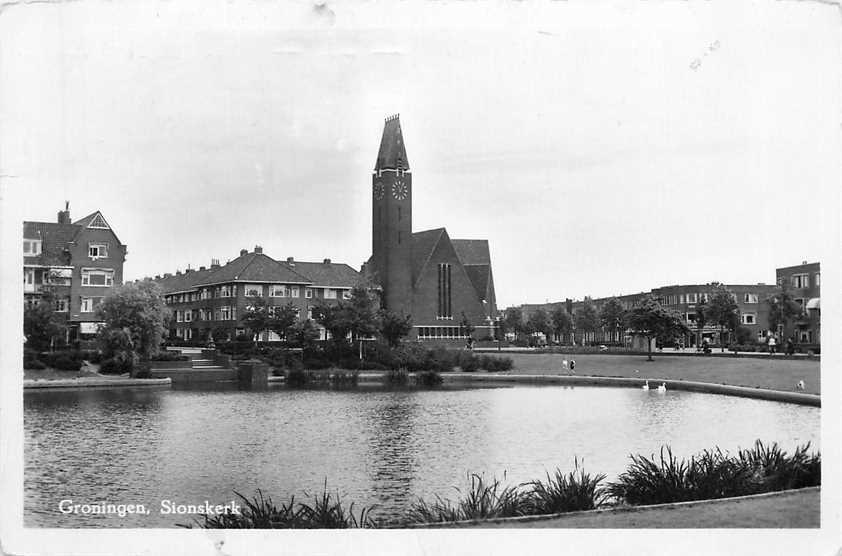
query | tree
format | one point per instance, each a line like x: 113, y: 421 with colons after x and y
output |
x: 357, y: 316
x: 587, y: 318
x: 513, y: 321
x: 394, y: 327
x: 538, y: 322
x: 257, y: 316
x: 41, y: 325
x: 137, y: 309
x: 611, y: 317
x: 304, y: 334
x: 783, y: 308
x: 650, y: 320
x: 722, y: 310
x: 282, y: 319
x: 701, y: 321
x: 561, y: 321
x: 465, y: 325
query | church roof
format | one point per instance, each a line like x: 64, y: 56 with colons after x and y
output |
x: 392, y: 151
x: 478, y: 275
x: 423, y: 245
x: 472, y: 251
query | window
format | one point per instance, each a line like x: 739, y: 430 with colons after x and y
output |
x: 817, y: 281
x: 704, y: 297
x: 61, y: 305
x: 31, y: 247
x: 98, y: 250
x: 98, y: 222
x: 346, y: 294
x: 293, y: 291
x: 748, y: 318
x: 308, y: 293
x: 228, y: 291
x: 92, y: 277
x: 28, y: 276
x: 179, y: 316
x: 444, y: 297
x: 188, y: 316
x: 252, y: 290
x: 330, y: 294
x: 750, y: 298
x: 800, y: 301
x: 310, y: 313
x: 277, y: 290
x: 89, y: 304
x: 800, y: 280
x: 225, y: 312
x: 692, y: 298
x: 691, y: 317
x: 681, y: 298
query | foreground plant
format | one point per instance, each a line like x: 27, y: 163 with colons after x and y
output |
x: 571, y: 492
x: 483, y: 500
x: 326, y: 512
x: 713, y: 474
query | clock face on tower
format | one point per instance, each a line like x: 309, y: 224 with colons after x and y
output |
x: 378, y: 190
x: 399, y: 190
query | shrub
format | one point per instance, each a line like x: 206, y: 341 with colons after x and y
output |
x: 349, y: 363
x: 565, y: 493
x: 467, y: 361
x: 779, y: 471
x: 169, y: 356
x: 374, y: 366
x: 66, y: 363
x: 33, y: 365
x: 428, y: 378
x: 118, y: 364
x: 496, y: 364
x: 298, y: 377
x: 344, y: 378
x: 397, y: 377
x: 316, y: 363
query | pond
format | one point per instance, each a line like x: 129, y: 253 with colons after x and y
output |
x: 375, y: 446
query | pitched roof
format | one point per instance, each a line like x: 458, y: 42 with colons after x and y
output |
x: 423, y: 245
x: 392, y: 152
x: 54, y: 239
x: 329, y: 274
x: 478, y: 275
x: 472, y: 251
x: 255, y: 267
x: 185, y: 281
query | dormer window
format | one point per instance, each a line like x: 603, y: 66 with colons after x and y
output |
x: 98, y: 250
x: 31, y: 247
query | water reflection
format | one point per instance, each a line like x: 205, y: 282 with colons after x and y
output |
x: 375, y: 446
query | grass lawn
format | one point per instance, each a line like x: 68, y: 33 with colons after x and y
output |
x: 774, y: 374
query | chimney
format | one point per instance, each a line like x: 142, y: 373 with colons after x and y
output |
x: 158, y: 276
x: 244, y: 252
x: 258, y: 249
x: 64, y: 215
x: 202, y: 268
x: 214, y: 263
x: 188, y: 269
x: 803, y: 262
x: 291, y: 261
x: 178, y: 272
x: 167, y: 275
x: 326, y: 261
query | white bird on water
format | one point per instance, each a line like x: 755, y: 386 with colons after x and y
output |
x: 636, y: 372
x: 799, y: 385
x: 564, y: 364
x: 662, y: 387
x: 646, y: 386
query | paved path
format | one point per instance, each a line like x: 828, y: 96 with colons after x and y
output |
x: 791, y: 509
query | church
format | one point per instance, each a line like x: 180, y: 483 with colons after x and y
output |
x: 428, y: 275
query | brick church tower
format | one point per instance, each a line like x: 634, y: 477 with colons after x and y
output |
x: 391, y: 202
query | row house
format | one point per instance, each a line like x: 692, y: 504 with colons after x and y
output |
x: 210, y: 302
x: 803, y: 282
x: 73, y: 266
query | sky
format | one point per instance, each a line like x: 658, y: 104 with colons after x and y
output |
x: 602, y: 150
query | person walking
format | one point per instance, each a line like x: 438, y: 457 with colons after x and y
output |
x: 772, y: 345
x: 790, y: 347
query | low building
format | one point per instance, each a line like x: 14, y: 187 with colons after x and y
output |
x: 803, y: 282
x: 75, y: 264
x: 211, y: 301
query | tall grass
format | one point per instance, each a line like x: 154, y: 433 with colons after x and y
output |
x: 714, y: 474
x: 573, y: 492
x: 259, y: 512
x: 483, y: 500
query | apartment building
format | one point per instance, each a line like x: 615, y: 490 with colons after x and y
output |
x: 211, y: 301
x: 74, y: 265
x: 803, y: 282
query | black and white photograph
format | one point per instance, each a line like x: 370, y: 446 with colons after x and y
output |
x: 450, y: 277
